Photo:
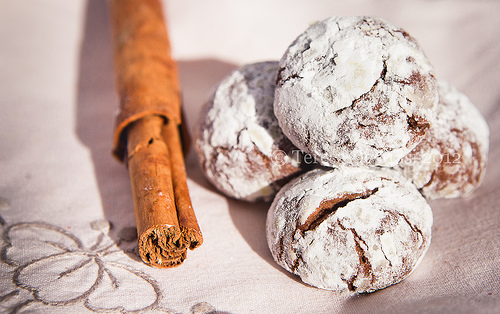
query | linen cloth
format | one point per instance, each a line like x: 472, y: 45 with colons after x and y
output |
x: 68, y: 233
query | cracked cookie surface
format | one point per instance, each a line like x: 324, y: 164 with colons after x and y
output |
x: 357, y: 229
x: 451, y: 159
x: 355, y: 91
x: 240, y: 146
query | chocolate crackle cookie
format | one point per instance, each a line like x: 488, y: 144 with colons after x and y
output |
x: 451, y: 159
x: 355, y: 91
x: 241, y: 148
x: 357, y: 229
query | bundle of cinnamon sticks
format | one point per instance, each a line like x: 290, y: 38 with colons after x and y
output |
x: 147, y: 133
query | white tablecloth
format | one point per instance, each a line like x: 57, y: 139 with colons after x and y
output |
x: 65, y: 204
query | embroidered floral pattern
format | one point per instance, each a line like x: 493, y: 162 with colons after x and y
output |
x: 52, y: 267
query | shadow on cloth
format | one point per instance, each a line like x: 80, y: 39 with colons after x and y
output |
x: 250, y: 220
x: 199, y: 79
x: 96, y: 105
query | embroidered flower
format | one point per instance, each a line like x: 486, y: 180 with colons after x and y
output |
x: 57, y: 269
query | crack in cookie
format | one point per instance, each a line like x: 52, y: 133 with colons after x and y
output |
x: 328, y: 207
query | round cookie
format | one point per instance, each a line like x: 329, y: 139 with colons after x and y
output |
x: 355, y: 91
x: 357, y: 229
x: 241, y: 148
x: 451, y: 159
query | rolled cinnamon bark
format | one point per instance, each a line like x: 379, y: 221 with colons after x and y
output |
x: 147, y: 133
x: 187, y: 219
x: 146, y: 76
x: 160, y: 238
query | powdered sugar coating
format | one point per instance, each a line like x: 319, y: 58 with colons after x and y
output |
x: 241, y: 148
x: 451, y: 159
x: 349, y: 228
x: 355, y: 91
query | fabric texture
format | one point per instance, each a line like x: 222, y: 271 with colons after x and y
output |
x: 68, y: 233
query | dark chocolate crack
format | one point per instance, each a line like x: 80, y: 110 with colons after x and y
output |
x: 280, y: 79
x: 416, y: 79
x: 281, y: 249
x: 256, y: 162
x: 468, y: 173
x: 365, y: 95
x: 385, y: 256
x: 413, y: 227
x: 239, y: 134
x: 417, y: 126
x: 364, y: 266
x: 296, y: 262
x: 329, y: 207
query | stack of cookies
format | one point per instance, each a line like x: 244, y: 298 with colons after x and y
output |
x: 349, y: 134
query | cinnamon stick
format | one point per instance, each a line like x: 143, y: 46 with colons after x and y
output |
x: 187, y: 219
x: 146, y: 75
x: 160, y: 238
x: 147, y: 133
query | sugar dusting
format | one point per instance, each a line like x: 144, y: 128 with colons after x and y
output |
x: 451, y: 159
x: 366, y: 244
x: 347, y: 87
x: 238, y: 134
